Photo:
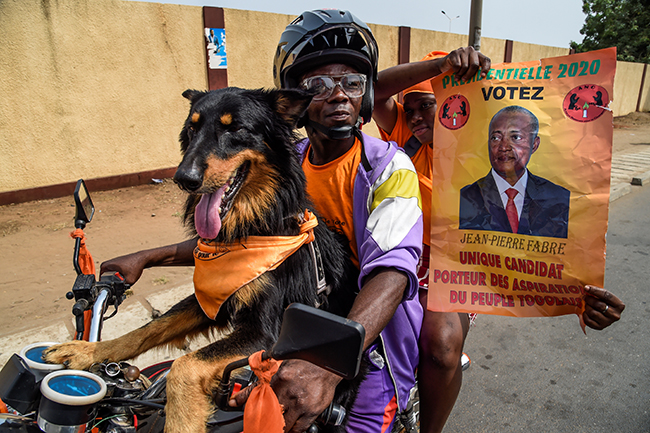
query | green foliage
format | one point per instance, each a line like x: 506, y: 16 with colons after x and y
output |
x: 624, y: 24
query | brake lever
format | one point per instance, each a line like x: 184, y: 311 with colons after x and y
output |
x: 116, y: 303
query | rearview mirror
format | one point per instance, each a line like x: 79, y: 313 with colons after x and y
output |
x: 84, y: 205
x: 325, y: 339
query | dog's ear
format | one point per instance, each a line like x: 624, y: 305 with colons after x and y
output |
x: 193, y: 95
x: 291, y: 104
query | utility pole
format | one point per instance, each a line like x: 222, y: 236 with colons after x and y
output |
x: 475, y: 19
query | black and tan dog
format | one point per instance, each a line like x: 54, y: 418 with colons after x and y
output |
x: 245, y: 182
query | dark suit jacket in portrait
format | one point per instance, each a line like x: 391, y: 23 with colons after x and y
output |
x: 545, y: 211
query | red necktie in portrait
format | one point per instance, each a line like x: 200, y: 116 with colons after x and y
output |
x: 511, y: 210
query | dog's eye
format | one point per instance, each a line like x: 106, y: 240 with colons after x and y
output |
x: 190, y: 132
x: 234, y: 128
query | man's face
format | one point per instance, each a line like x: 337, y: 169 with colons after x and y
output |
x: 511, y: 143
x: 338, y: 109
x: 420, y: 109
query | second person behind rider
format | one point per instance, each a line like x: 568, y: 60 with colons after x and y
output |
x: 411, y: 126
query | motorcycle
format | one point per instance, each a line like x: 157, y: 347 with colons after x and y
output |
x: 117, y: 397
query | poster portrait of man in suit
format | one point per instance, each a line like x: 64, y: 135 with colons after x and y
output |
x: 510, y: 198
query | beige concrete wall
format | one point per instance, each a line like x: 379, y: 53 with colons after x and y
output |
x: 93, y: 89
x: 523, y: 52
x: 495, y: 49
x: 627, y: 83
x: 250, y: 50
x: 425, y: 41
x: 388, y: 41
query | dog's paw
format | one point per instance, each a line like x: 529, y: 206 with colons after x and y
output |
x: 77, y: 355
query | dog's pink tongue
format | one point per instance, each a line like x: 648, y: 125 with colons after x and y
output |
x: 206, y: 215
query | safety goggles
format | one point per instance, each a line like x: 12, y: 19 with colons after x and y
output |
x: 322, y: 86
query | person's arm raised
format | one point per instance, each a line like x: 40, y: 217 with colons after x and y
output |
x: 464, y: 62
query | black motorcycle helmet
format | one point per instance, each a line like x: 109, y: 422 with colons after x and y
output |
x: 326, y: 36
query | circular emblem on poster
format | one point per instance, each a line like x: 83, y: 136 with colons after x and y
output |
x: 454, y: 112
x: 586, y: 102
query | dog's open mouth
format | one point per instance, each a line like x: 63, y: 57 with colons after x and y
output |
x: 213, y: 207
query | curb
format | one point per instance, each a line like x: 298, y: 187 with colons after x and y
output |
x: 639, y: 179
x: 619, y: 190
x: 627, y: 170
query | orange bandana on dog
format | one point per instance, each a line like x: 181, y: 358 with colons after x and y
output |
x: 221, y: 269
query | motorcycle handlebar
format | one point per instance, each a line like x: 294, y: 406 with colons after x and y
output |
x: 97, y: 319
x: 96, y: 296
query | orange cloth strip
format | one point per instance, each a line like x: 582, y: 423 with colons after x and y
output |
x: 87, y: 266
x: 221, y: 269
x: 263, y: 412
x: 3, y: 407
x: 86, y: 262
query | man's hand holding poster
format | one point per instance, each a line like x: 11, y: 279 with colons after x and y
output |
x: 521, y: 178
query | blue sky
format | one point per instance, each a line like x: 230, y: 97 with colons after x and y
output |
x: 547, y: 22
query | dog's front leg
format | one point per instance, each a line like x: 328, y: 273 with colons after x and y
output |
x: 194, y: 378
x: 183, y: 321
x: 189, y: 393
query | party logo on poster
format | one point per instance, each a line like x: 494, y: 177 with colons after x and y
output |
x: 454, y: 112
x: 586, y: 102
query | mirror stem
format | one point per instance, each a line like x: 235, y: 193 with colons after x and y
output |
x: 75, y: 257
x: 223, y: 392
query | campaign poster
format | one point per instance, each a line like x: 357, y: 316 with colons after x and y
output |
x: 216, y: 46
x: 521, y: 179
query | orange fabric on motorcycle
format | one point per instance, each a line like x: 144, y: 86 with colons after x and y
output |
x: 3, y: 407
x: 263, y: 412
x: 221, y: 269
x: 87, y: 266
x: 86, y: 262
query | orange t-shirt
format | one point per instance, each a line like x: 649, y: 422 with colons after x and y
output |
x: 422, y: 161
x: 331, y: 188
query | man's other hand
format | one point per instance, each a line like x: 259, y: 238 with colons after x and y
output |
x: 602, y: 308
x: 304, y: 391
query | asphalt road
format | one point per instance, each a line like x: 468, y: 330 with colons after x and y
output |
x: 545, y: 375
